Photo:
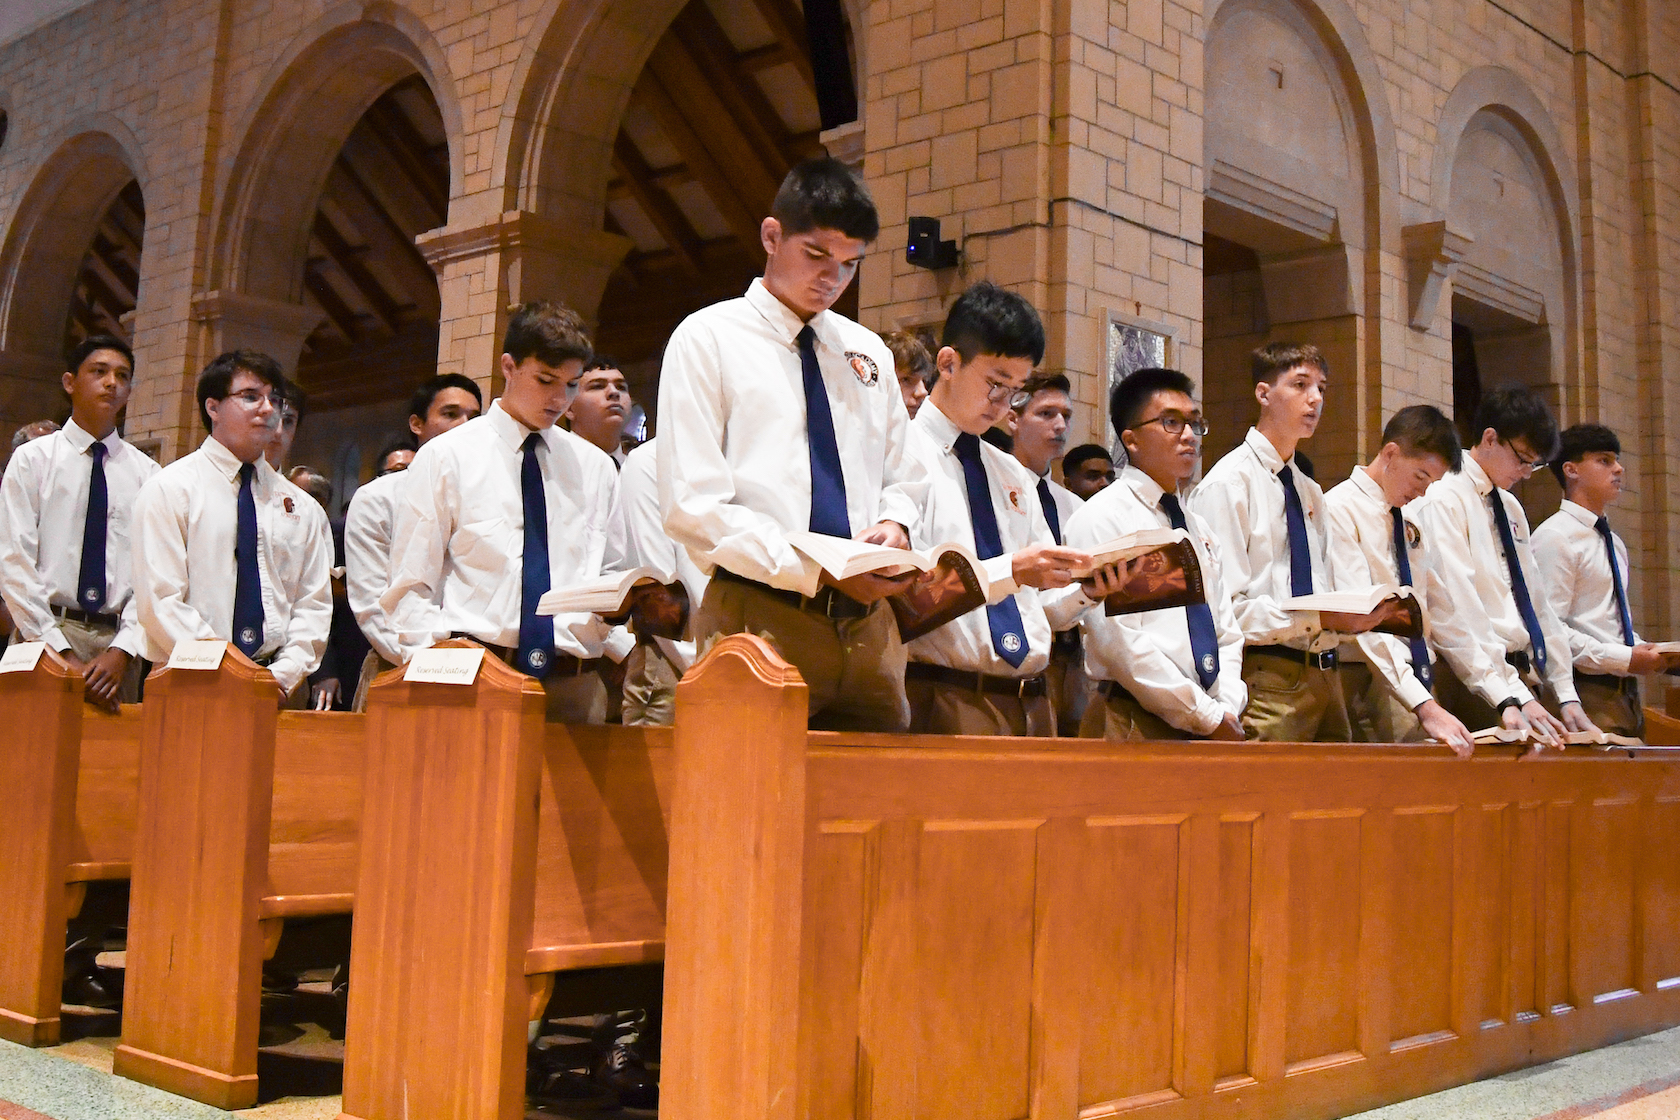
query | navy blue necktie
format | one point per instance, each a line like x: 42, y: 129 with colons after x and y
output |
x: 1051, y: 514
x: 1403, y: 564
x: 1204, y: 639
x: 247, y: 588
x: 1009, y: 636
x: 536, y: 633
x: 1603, y: 527
x: 90, y: 584
x: 1519, y: 585
x: 1300, y: 555
x: 828, y: 483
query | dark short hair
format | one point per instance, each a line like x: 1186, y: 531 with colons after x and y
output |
x: 1084, y: 451
x: 420, y: 404
x: 1129, y: 398
x: 217, y: 378
x: 290, y: 392
x: 1275, y: 358
x: 99, y: 342
x: 1423, y: 429
x: 401, y: 443
x: 550, y: 332
x: 601, y: 361
x: 988, y: 319
x: 909, y: 351
x: 1518, y: 412
x: 1580, y: 440
x: 1045, y: 383
x: 823, y: 193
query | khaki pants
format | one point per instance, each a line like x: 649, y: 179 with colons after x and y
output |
x: 1613, y: 703
x: 575, y: 697
x: 1375, y: 714
x: 372, y: 666
x: 1474, y: 712
x: 1292, y: 702
x: 1119, y: 718
x: 1069, y: 687
x: 854, y: 668
x: 650, y: 687
x: 88, y: 641
x: 942, y: 709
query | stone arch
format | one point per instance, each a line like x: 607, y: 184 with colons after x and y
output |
x: 312, y: 97
x: 1297, y: 213
x: 1504, y: 189
x: 95, y: 158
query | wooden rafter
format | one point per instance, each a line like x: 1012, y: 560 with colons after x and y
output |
x: 410, y: 153
x: 343, y: 318
x: 753, y: 158
x: 665, y: 215
x: 787, y: 24
x: 713, y: 53
x: 393, y: 244
x: 652, y: 96
x: 349, y: 261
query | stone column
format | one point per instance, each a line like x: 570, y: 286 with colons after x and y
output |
x: 483, y: 270
x: 236, y: 321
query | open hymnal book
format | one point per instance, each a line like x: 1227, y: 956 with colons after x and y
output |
x: 1387, y: 607
x: 1604, y: 739
x: 604, y: 595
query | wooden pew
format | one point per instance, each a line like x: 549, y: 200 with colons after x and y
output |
x: 247, y: 816
x: 498, y: 850
x: 69, y: 773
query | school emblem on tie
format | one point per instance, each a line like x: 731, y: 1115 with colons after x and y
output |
x: 248, y: 636
x: 537, y: 658
x: 863, y: 367
x: 1011, y: 643
x: 91, y: 595
x: 1208, y: 663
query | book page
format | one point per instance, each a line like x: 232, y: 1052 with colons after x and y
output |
x: 842, y: 558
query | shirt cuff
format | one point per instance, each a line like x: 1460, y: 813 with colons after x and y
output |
x: 55, y: 640
x: 618, y: 644
x: 1413, y: 694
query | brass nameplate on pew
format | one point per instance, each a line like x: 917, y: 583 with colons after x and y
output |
x: 444, y: 666
x: 22, y: 658
x: 197, y: 654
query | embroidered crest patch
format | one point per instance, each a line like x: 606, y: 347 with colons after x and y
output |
x: 863, y: 367
x: 288, y: 503
x: 1414, y: 535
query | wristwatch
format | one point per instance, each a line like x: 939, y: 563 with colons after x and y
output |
x: 1509, y: 702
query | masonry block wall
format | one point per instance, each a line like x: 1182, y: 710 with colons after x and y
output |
x: 1361, y: 173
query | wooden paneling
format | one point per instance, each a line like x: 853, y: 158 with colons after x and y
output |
x: 1660, y: 894
x: 1605, y: 848
x: 1421, y: 925
x: 1322, y: 1003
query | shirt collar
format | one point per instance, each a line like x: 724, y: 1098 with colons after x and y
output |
x: 1147, y: 489
x: 1262, y: 447
x: 1477, y: 476
x: 1366, y: 485
x: 228, y: 464
x: 781, y: 318
x: 511, y: 431
x: 937, y: 426
x: 1580, y: 513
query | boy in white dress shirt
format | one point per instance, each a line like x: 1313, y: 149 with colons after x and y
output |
x: 1585, y: 567
x: 1504, y: 657
x: 1174, y: 673
x: 1038, y: 423
x: 65, y: 548
x: 1385, y: 678
x: 983, y: 673
x: 498, y: 511
x: 1269, y: 518
x: 779, y: 415
x: 224, y: 548
x: 439, y: 404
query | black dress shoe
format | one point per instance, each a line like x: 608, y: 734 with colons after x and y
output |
x: 88, y: 989
x: 621, y: 1070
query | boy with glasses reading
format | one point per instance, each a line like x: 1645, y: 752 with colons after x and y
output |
x: 1501, y: 645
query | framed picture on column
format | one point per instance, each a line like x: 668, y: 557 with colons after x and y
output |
x: 1131, y: 343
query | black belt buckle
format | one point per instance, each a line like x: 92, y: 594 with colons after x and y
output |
x: 1325, y: 660
x: 837, y: 605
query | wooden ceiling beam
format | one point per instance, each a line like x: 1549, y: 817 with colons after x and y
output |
x: 743, y: 220
x: 115, y: 260
x: 701, y: 36
x: 349, y: 261
x: 665, y: 215
x: 339, y: 313
x: 408, y: 150
x: 732, y: 138
x: 787, y: 24
x: 385, y: 238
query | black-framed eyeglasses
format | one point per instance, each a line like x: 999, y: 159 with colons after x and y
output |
x: 1524, y: 463
x: 1174, y: 423
x: 253, y: 398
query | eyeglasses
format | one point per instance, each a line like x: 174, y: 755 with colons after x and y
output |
x: 1003, y: 391
x: 1524, y: 463
x: 1174, y: 423
x: 252, y: 398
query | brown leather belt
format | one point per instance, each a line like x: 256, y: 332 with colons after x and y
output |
x: 559, y: 664
x: 1325, y: 660
x: 1026, y: 688
x: 829, y: 602
x: 87, y: 619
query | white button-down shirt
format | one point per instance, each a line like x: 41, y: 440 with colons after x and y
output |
x: 460, y: 534
x: 734, y: 459
x: 966, y: 642
x: 186, y: 527
x: 1473, y: 616
x: 638, y: 532
x: 1576, y: 571
x: 368, y: 525
x: 1241, y: 499
x: 1149, y: 652
x: 43, y: 513
x: 1362, y: 556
